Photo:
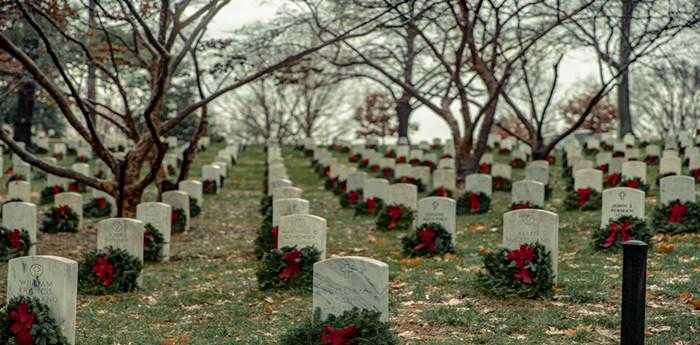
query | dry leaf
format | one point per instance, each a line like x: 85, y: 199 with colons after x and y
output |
x: 168, y: 341
x: 664, y: 248
x: 484, y: 250
x: 397, y: 285
x: 686, y: 297
x: 415, y: 262
x: 476, y: 227
x: 696, y: 303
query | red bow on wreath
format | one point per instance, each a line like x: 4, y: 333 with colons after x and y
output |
x: 104, y: 270
x: 613, y: 179
x: 56, y: 189
x: 522, y: 256
x: 474, y: 202
x: 101, y: 203
x: 371, y: 205
x: 484, y: 168
x: 293, y: 260
x: 405, y: 179
x: 22, y: 325
x: 519, y: 206
x: 62, y: 211
x: 678, y: 211
x: 583, y: 195
x: 353, y: 197
x: 426, y: 239
x: 338, y: 336
x: 441, y: 191
x: 633, y: 183
x: 394, y: 213
x: 275, y: 234
x: 603, y: 168
x: 617, y: 228
x: 695, y: 173
x: 146, y: 239
x: 387, y: 172
x: 15, y: 238
x: 74, y: 187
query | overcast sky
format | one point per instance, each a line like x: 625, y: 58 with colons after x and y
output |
x: 574, y: 69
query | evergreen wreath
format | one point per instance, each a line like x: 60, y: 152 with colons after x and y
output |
x: 429, y: 239
x: 603, y: 168
x: 387, y: 173
x: 583, y: 199
x: 676, y: 217
x: 209, y: 187
x: 340, y: 187
x: 441, y: 192
x: 106, y: 271
x: 48, y: 193
x: 612, y: 180
x: 400, y: 159
x: 473, y: 203
x: 77, y: 187
x: 369, y: 207
x: 429, y: 164
x: 266, y: 239
x: 651, y: 160
x: 618, y: 154
x: 620, y: 230
x: 288, y: 268
x: 412, y: 180
x: 502, y: 184
x: 60, y: 219
x: 634, y: 182
x: 153, y: 242
x: 195, y: 210
x: 590, y: 151
x: 330, y: 184
x: 97, y: 208
x: 484, y: 168
x: 178, y: 219
x: 395, y: 218
x: 375, y: 168
x: 390, y: 154
x: 517, y: 163
x: 414, y: 162
x: 524, y: 205
x: 27, y: 321
x: 525, y: 272
x: 352, y: 327
x: 364, y: 163
x: 265, y: 204
x: 14, y: 243
x: 351, y: 198
x: 355, y: 158
x: 695, y: 173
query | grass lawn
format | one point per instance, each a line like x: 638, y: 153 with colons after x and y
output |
x: 207, y: 294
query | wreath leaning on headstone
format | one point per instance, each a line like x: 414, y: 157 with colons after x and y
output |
x: 195, y: 210
x: 429, y: 239
x: 106, y: 271
x: 209, y: 186
x: 524, y: 272
x: 524, y: 205
x: 98, y: 207
x: 153, y: 242
x: 288, y: 268
x: 178, y: 219
x: 369, y: 207
x: 502, y: 184
x: 350, y: 199
x: 412, y: 180
x: 676, y: 217
x: 353, y: 327
x: 60, y: 219
x: 441, y: 192
x: 25, y: 320
x: 620, y: 230
x: 583, y: 199
x: 267, y: 237
x: 394, y: 218
x: 473, y: 203
x: 47, y: 194
x: 13, y: 243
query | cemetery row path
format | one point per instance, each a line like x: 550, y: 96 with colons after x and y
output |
x: 207, y: 294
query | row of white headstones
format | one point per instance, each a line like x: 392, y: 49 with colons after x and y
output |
x: 343, y: 283
x: 54, y: 280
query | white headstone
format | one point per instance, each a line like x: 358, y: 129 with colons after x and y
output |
x: 621, y: 201
x: 303, y: 230
x: 21, y: 216
x: 438, y: 210
x: 529, y: 226
x: 157, y: 214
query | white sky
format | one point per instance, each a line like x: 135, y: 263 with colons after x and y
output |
x: 574, y: 69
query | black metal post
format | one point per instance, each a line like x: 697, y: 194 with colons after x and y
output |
x: 634, y: 270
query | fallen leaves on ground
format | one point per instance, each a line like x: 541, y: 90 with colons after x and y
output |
x: 664, y: 248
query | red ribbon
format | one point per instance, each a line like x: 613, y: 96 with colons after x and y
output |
x: 678, y: 211
x: 338, y: 336
x: 522, y: 256
x: 400, y: 160
x: 405, y: 179
x: 15, y: 238
x: 293, y: 261
x: 441, y: 191
x: 146, y: 239
x: 353, y: 197
x: 616, y: 228
x: 519, y: 206
x: 62, y: 212
x: 474, y: 202
x: 387, y: 172
x: 101, y: 203
x: 74, y: 187
x: 394, y: 213
x: 104, y: 270
x: 695, y: 173
x: 603, y: 168
x: 275, y: 235
x: 23, y: 320
x: 633, y: 183
x: 426, y: 239
x: 371, y: 205
x: 484, y: 168
x: 56, y: 189
x: 613, y: 179
x: 583, y: 195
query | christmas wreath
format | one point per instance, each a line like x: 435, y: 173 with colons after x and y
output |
x: 369, y: 207
x: 415, y: 162
x: 340, y: 187
x: 77, y: 187
x: 620, y: 230
x: 484, y: 168
x: 14, y: 243
x: 153, y: 242
x: 525, y: 272
x: 60, y: 219
x: 353, y: 327
x: 265, y: 204
x: 430, y: 239
x: 390, y: 154
x: 387, y: 173
x: 395, y: 217
x: 429, y: 164
x: 308, y: 153
x: 364, y: 163
x: 473, y: 203
x: 107, y: 271
x: 612, y: 180
x: 524, y: 205
x: 412, y: 180
x: 651, y: 160
x: 441, y: 191
x: 351, y: 198
x: 517, y: 163
x: 288, y: 268
x: 27, y: 321
x: 330, y: 183
x: 97, y: 208
x: 695, y: 173
x: 374, y: 168
x: 502, y: 184
x: 634, y: 182
x: 590, y: 151
x: 355, y: 158
x: 209, y: 187
x: 178, y: 219
x: 584, y: 199
x: 48, y: 193
x: 266, y: 239
x: 603, y: 168
x: 195, y: 210
x: 400, y: 159
x: 676, y: 217
x: 503, y: 151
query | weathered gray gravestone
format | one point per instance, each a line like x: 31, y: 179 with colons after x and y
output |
x: 179, y: 200
x: 21, y: 190
x: 343, y: 283
x: 478, y: 183
x: 405, y: 194
x: 375, y: 188
x: 51, y: 279
x: 21, y: 216
x: 438, y: 210
x: 588, y: 178
x: 529, y: 226
x: 194, y: 189
x: 122, y: 233
x: 444, y: 178
x: 676, y: 188
x: 286, y: 207
x: 303, y: 230
x: 621, y: 201
x: 527, y: 191
x: 157, y: 214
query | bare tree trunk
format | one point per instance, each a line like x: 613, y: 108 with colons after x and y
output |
x: 623, y: 88
x: 25, y: 111
x: 403, y: 112
x: 91, y: 70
